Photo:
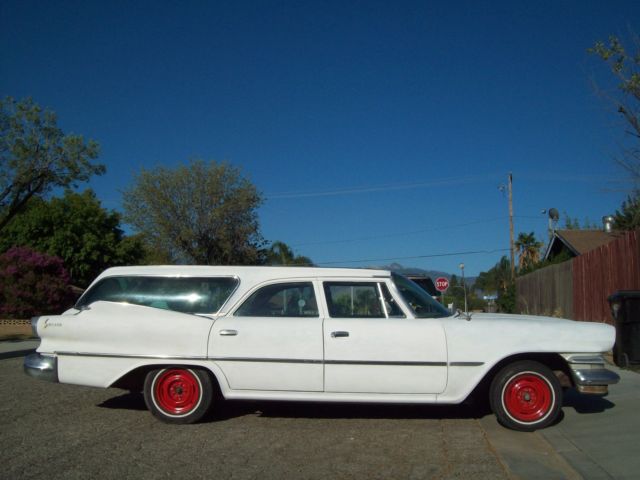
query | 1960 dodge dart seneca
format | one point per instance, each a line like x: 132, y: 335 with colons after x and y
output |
x: 183, y: 334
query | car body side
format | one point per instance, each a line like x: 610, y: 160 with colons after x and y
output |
x: 399, y: 360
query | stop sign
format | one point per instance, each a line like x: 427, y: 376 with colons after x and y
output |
x: 442, y: 284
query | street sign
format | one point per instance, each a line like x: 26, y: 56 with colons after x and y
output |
x: 442, y: 284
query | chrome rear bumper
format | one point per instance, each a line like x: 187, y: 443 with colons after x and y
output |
x: 42, y: 367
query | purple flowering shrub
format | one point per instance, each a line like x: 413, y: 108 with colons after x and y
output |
x: 32, y: 283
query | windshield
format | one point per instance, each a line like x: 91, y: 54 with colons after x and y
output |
x: 421, y: 303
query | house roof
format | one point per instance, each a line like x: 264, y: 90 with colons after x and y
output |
x: 578, y: 241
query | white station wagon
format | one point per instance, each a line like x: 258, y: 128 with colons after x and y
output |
x: 183, y: 334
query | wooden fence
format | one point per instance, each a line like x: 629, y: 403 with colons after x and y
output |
x: 548, y: 291
x: 579, y: 288
x: 600, y: 272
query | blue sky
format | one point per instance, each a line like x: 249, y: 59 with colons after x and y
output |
x: 377, y: 131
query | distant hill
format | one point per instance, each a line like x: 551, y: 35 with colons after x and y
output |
x: 433, y: 274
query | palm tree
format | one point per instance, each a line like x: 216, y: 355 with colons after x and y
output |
x: 497, y: 279
x: 280, y: 253
x: 528, y: 250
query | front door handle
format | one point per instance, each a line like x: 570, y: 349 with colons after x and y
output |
x: 339, y: 334
x: 228, y: 333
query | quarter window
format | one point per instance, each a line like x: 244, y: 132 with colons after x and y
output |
x: 347, y: 299
x: 392, y: 308
x: 181, y: 294
x: 281, y: 300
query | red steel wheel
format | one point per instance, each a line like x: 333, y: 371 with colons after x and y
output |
x: 178, y: 395
x: 526, y: 395
x: 177, y: 391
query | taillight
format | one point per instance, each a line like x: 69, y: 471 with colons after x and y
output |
x: 34, y: 326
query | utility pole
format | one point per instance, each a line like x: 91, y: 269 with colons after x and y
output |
x: 513, y: 261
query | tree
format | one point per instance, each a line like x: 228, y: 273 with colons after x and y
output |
x: 506, y: 301
x: 628, y: 217
x: 279, y: 253
x: 36, y: 156
x: 77, y: 229
x: 32, y: 283
x: 203, y: 212
x: 528, y: 250
x: 498, y: 280
x: 625, y: 66
x: 574, y: 223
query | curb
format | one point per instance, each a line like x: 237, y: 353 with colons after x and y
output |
x: 16, y: 353
x: 17, y: 348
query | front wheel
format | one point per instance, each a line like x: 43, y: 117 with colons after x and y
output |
x: 178, y: 395
x: 526, y: 396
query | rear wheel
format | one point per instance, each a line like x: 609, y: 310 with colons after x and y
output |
x: 526, y: 396
x: 178, y: 395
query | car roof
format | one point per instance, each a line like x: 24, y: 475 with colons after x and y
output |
x: 255, y: 273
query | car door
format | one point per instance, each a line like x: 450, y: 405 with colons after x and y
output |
x: 273, y: 340
x: 373, y: 346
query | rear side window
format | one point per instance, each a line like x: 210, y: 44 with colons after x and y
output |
x: 180, y: 294
x: 281, y: 300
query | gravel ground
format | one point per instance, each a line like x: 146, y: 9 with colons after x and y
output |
x: 65, y: 431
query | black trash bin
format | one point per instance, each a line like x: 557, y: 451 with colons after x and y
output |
x: 625, y: 308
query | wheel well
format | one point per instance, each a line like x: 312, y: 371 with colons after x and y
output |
x: 552, y: 360
x: 134, y: 380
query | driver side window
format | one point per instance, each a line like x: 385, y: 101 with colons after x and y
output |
x: 361, y: 300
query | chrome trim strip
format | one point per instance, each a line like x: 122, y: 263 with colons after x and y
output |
x: 274, y: 360
x: 265, y: 360
x: 586, y: 359
x: 327, y: 362
x: 373, y: 362
x: 114, y: 355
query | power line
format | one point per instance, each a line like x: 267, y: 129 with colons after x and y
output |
x: 397, y: 234
x: 435, y: 255
x: 382, y: 188
x: 443, y: 182
x: 412, y: 232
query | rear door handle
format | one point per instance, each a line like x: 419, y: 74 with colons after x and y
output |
x: 339, y: 334
x: 228, y: 333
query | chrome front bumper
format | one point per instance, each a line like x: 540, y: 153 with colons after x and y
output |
x: 590, y: 375
x: 42, y: 367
